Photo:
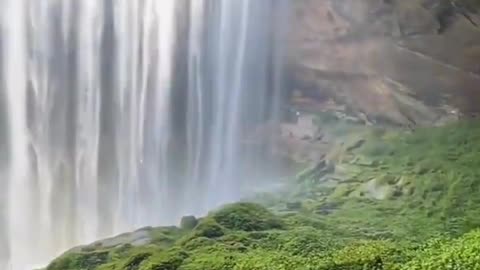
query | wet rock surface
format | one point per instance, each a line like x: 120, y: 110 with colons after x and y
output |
x: 407, y: 63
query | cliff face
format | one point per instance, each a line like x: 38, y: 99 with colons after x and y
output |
x: 406, y: 62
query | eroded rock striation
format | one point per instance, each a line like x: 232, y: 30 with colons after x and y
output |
x: 406, y: 63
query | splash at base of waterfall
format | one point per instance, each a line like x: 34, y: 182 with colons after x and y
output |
x: 120, y: 114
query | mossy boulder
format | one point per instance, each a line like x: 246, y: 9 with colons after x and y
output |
x: 188, y: 222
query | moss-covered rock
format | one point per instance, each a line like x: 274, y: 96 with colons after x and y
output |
x: 188, y: 222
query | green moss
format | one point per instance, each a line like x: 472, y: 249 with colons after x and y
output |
x: 166, y: 236
x: 195, y: 243
x: 83, y: 261
x: 305, y: 242
x: 387, y: 179
x: 208, y: 228
x: 210, y: 261
x: 342, y: 190
x: 246, y: 217
x: 377, y: 149
x: 304, y: 219
x: 368, y: 255
x: 134, y: 262
x: 424, y: 221
x: 431, y: 173
x: 237, y: 240
x: 268, y: 260
x: 168, y: 260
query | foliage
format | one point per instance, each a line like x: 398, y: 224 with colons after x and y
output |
x: 428, y: 181
x: 246, y: 217
x: 429, y: 224
x: 208, y: 228
x: 296, y: 247
x: 83, y: 261
x: 458, y: 254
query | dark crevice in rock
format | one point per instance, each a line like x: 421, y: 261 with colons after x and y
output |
x: 437, y: 61
x: 446, y: 11
x: 469, y: 18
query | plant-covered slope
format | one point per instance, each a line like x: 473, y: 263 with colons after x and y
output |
x: 400, y: 202
x: 432, y: 175
x: 292, y: 247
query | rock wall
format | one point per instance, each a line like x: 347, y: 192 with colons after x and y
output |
x: 406, y: 62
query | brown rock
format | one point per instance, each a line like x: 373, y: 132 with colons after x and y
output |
x: 408, y: 62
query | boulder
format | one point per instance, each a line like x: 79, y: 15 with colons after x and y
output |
x: 188, y: 222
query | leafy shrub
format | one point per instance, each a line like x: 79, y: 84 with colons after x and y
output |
x: 458, y: 254
x: 375, y: 255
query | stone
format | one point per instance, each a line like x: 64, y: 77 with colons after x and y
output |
x: 188, y: 222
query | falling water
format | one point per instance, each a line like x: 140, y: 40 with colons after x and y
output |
x: 118, y: 114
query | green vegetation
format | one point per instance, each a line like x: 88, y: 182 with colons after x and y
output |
x: 293, y: 247
x: 402, y: 202
x: 246, y: 217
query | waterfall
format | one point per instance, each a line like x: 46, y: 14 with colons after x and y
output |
x: 118, y: 114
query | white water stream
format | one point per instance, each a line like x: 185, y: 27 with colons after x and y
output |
x: 117, y: 114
